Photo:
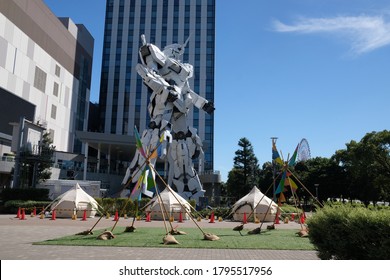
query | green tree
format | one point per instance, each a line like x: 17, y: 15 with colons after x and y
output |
x: 266, y: 179
x: 35, y: 164
x: 367, y: 166
x: 234, y: 184
x: 46, y: 157
x: 245, y: 172
x: 322, y: 177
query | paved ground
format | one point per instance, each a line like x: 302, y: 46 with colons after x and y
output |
x: 17, y: 236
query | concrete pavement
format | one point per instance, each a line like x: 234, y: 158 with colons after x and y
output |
x: 17, y: 236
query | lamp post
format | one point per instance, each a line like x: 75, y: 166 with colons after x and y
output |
x: 273, y: 169
x: 316, y: 185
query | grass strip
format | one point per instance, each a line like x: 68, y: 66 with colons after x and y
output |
x: 229, y: 239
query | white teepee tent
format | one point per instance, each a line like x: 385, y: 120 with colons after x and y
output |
x: 171, y: 205
x: 257, y: 202
x: 74, y: 201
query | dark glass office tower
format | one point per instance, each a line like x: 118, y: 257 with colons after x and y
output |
x: 123, y: 97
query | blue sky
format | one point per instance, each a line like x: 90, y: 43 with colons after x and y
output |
x: 318, y: 70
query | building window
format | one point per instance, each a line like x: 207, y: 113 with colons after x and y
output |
x: 53, y: 111
x: 55, y: 89
x: 58, y: 71
x: 40, y: 79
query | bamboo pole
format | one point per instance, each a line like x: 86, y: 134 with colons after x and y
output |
x: 101, y: 216
x: 295, y: 202
x: 185, y: 209
x: 147, y: 161
x: 306, y: 188
x: 262, y: 222
x: 162, y: 206
x: 128, y: 199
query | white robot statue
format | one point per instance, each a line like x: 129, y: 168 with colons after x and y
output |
x: 170, y: 101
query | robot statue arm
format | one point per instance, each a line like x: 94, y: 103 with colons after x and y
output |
x: 154, y: 81
x: 181, y: 104
x: 201, y: 102
x: 143, y: 40
x: 151, y: 56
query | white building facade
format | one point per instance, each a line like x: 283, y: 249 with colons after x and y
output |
x: 47, y: 62
x: 45, y: 78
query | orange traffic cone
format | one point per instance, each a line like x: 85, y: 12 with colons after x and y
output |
x: 147, y: 217
x: 116, y: 217
x: 84, y: 215
x: 23, y: 215
x: 18, y: 213
x: 277, y: 219
x: 180, y: 217
x: 212, y: 218
x: 244, y: 219
x: 302, y: 218
x: 53, y: 214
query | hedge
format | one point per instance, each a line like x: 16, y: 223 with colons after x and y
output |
x: 223, y: 212
x: 122, y: 205
x: 25, y: 194
x: 12, y: 206
x: 108, y: 205
x: 345, y: 232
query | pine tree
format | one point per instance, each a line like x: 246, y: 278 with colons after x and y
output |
x: 35, y: 165
x: 245, y: 172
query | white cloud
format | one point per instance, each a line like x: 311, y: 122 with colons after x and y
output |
x: 364, y: 33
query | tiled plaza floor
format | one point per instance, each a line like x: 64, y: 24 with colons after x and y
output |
x: 17, y: 236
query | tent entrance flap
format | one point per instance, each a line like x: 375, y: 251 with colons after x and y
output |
x: 247, y: 204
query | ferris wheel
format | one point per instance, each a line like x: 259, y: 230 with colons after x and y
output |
x: 304, y: 150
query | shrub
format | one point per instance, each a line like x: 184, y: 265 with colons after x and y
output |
x: 287, y: 208
x: 123, y: 205
x: 223, y: 212
x: 25, y: 194
x: 350, y: 233
x: 11, y: 206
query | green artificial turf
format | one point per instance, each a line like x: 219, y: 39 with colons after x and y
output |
x: 229, y: 239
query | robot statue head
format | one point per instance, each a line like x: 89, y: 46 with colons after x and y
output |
x: 176, y: 50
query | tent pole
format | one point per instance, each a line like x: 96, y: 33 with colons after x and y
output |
x: 124, y: 207
x: 306, y: 188
x: 135, y: 212
x: 162, y: 206
x: 185, y: 209
x: 296, y: 207
x: 262, y: 222
x: 101, y: 216
x: 43, y: 211
x: 128, y: 182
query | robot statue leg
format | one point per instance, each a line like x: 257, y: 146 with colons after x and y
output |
x: 190, y: 190
x: 149, y: 139
x: 184, y: 176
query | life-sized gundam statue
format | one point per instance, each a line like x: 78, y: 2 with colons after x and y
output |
x: 170, y: 101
